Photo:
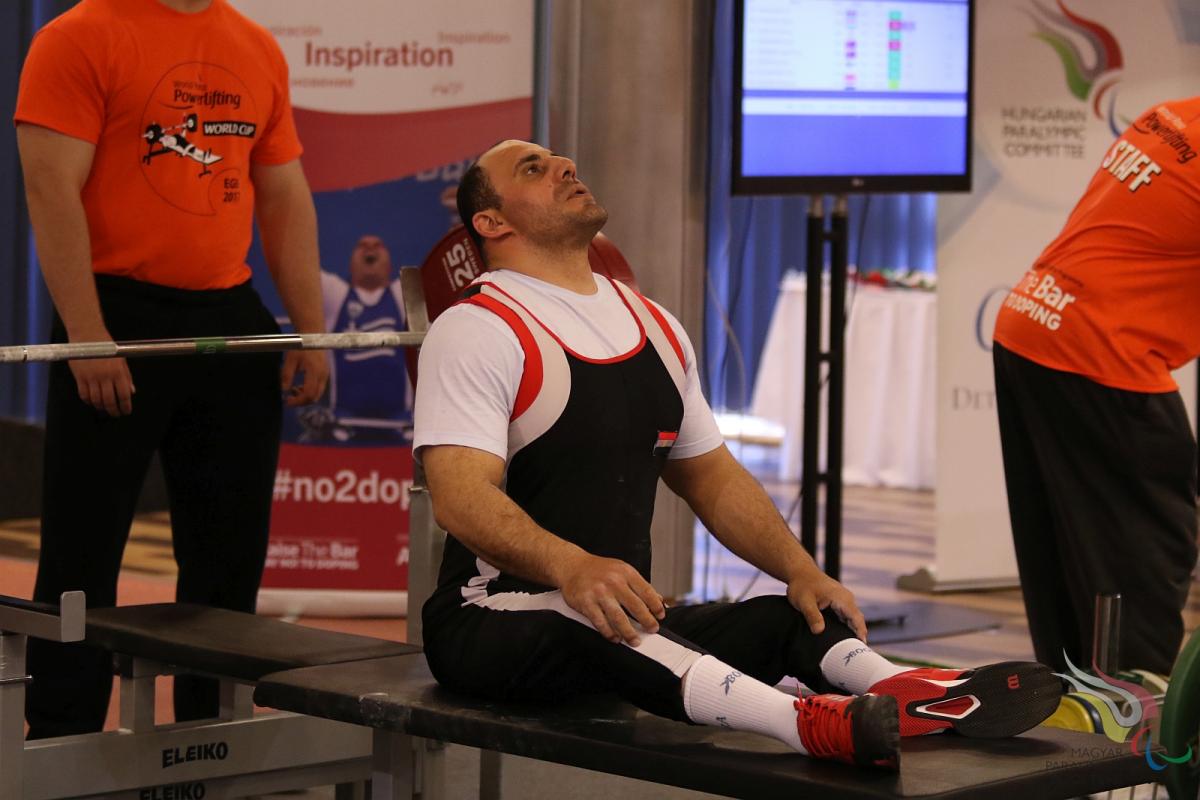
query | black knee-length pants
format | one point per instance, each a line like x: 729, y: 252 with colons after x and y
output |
x: 545, y: 655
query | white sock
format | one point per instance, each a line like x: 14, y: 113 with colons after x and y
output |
x: 855, y: 668
x: 715, y: 693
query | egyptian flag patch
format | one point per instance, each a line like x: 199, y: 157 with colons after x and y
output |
x: 666, y: 440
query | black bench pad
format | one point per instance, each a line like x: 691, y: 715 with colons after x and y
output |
x: 602, y: 733
x: 227, y: 643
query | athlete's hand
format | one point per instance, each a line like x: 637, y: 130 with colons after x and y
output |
x: 315, y: 365
x: 608, y: 592
x: 814, y: 591
x: 104, y: 384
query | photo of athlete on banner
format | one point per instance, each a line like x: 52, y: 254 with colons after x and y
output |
x: 369, y: 400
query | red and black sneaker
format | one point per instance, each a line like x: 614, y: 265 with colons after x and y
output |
x: 862, y: 730
x: 997, y: 700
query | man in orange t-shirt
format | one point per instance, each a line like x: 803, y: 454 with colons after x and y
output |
x: 151, y: 133
x: 1099, y: 457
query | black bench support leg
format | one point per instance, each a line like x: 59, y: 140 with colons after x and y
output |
x: 392, y: 766
x: 490, y: 775
x: 430, y: 769
x: 237, y: 700
x: 350, y: 791
x: 137, y: 698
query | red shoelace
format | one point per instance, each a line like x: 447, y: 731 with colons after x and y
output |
x: 824, y: 726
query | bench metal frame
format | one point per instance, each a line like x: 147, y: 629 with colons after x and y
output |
x: 265, y: 752
x: 238, y: 753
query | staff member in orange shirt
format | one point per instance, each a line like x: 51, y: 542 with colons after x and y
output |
x: 1099, y: 458
x: 151, y: 132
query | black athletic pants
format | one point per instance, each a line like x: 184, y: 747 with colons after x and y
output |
x: 544, y: 656
x: 215, y: 423
x: 1102, y: 498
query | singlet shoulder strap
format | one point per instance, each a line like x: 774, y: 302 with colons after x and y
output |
x: 658, y: 331
x: 546, y: 377
x: 531, y: 374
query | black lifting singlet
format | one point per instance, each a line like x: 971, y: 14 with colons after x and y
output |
x: 587, y: 442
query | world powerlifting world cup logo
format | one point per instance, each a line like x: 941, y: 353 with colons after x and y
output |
x: 197, y: 130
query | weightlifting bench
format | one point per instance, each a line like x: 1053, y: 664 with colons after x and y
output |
x: 237, y: 754
x: 362, y: 708
x: 398, y: 699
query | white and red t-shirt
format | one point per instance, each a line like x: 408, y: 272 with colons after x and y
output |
x: 471, y: 364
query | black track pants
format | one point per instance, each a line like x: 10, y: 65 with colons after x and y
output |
x: 215, y: 423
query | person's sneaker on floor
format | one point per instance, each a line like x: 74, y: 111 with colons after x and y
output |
x: 996, y: 700
x: 862, y: 730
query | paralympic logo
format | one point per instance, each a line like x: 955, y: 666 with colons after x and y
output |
x: 1133, y: 715
x: 1061, y: 31
x: 985, y: 316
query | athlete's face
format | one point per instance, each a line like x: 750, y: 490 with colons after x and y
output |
x: 542, y: 199
x: 370, y: 264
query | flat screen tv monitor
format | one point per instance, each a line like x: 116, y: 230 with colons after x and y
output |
x: 837, y: 96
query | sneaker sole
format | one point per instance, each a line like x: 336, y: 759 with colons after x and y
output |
x: 876, y: 725
x: 1012, y: 697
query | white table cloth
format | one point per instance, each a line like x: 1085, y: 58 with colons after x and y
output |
x: 891, y: 408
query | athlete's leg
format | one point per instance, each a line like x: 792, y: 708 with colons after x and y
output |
x: 770, y: 639
x: 533, y: 648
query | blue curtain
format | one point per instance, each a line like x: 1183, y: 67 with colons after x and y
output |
x: 25, y: 307
x: 754, y: 241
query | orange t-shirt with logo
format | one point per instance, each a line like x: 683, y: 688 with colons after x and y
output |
x: 1116, y: 297
x: 178, y: 106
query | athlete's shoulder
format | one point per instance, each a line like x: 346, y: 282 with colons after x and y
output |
x: 468, y: 339
x: 661, y: 309
x: 468, y: 322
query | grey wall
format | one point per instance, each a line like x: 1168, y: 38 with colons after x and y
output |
x: 628, y: 86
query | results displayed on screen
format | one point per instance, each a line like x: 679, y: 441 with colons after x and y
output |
x: 854, y: 87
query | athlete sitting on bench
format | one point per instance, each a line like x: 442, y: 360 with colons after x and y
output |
x: 550, y: 401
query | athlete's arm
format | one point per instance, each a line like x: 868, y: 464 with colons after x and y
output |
x: 464, y: 484
x: 287, y: 221
x: 740, y: 514
x: 56, y: 167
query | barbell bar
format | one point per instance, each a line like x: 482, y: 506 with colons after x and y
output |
x: 213, y: 345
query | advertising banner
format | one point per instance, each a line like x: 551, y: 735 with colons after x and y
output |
x: 392, y: 102
x: 1055, y: 82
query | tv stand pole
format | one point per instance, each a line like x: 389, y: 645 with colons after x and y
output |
x: 834, y: 359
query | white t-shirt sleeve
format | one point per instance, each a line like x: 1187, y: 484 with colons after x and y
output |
x: 467, y: 378
x: 698, y: 433
x: 334, y: 289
